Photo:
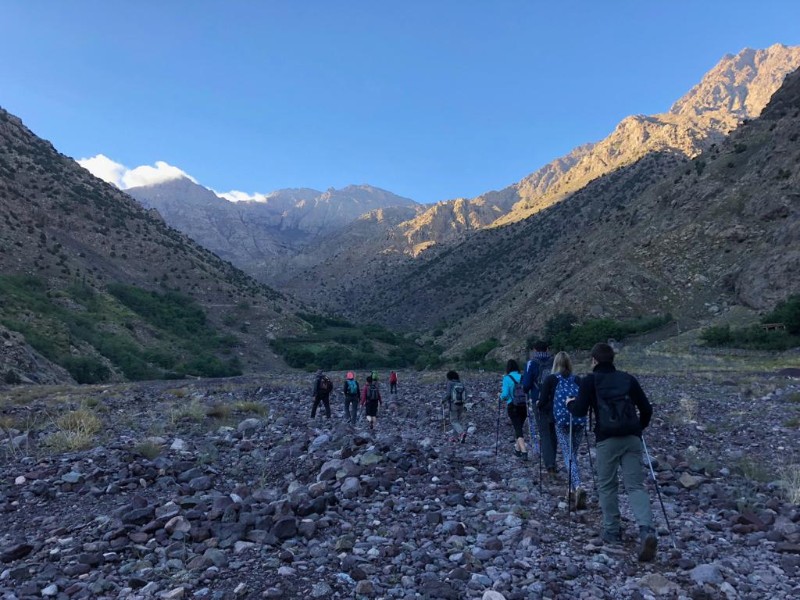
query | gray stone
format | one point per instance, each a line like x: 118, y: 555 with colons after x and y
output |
x: 707, y: 573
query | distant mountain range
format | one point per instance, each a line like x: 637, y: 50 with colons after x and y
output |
x: 260, y: 235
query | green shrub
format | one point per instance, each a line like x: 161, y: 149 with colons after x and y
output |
x: 788, y: 313
x: 85, y: 369
x: 478, y: 352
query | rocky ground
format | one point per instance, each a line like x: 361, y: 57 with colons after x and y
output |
x: 226, y: 489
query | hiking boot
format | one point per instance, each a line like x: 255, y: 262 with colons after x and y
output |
x: 517, y: 452
x: 463, y: 437
x: 612, y: 537
x: 648, y: 544
x: 523, y: 455
x: 580, y: 499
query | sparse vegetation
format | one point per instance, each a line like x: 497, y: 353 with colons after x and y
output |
x: 334, y: 343
x: 563, y: 331
x: 148, y: 448
x: 182, y: 342
x: 756, y: 337
x: 76, y: 430
x: 790, y: 483
x: 252, y: 407
x: 191, y: 411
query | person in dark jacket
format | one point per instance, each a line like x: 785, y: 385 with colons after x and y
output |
x: 322, y: 392
x: 455, y: 406
x: 351, y: 397
x: 618, y: 449
x: 539, y: 365
x: 371, y: 399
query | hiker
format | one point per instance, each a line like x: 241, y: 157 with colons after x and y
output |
x: 392, y: 382
x: 322, y: 392
x: 370, y: 399
x: 556, y: 388
x: 454, y: 398
x: 351, y: 395
x: 614, y: 398
x: 517, y: 405
x: 536, y: 369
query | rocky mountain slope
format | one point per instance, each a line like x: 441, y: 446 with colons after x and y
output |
x: 66, y: 237
x: 735, y: 90
x: 665, y: 234
x: 227, y: 490
x: 267, y: 234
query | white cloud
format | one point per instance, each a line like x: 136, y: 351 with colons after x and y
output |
x: 237, y: 196
x: 121, y: 176
x: 103, y: 167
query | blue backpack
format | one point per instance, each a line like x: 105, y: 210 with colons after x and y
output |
x: 352, y: 387
x: 566, y: 387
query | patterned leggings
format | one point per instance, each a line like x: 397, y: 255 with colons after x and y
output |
x: 562, y: 433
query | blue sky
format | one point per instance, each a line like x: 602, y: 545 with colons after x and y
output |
x: 429, y: 99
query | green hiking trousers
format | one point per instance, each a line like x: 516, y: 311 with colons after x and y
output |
x: 625, y: 453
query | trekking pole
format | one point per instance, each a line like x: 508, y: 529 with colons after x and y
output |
x: 497, y: 435
x: 658, y: 491
x: 569, y: 473
x: 536, y: 424
x: 443, y: 429
x: 591, y: 462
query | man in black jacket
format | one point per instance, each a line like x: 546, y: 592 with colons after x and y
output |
x: 322, y: 392
x: 615, y: 397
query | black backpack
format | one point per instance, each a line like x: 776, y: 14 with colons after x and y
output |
x: 545, y: 366
x: 373, y: 392
x: 616, y: 414
x: 325, y: 385
x: 518, y: 396
x: 458, y: 393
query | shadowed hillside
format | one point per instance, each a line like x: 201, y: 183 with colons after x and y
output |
x: 102, y: 286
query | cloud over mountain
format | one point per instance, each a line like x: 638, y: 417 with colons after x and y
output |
x: 121, y: 176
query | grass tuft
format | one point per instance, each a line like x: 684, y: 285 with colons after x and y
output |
x: 76, y: 431
x: 252, y: 407
x: 148, y: 449
x: 790, y: 482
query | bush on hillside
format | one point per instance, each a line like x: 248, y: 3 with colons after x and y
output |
x: 755, y: 337
x: 564, y: 332
x: 788, y: 313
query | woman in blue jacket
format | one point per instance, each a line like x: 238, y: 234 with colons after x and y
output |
x: 517, y: 411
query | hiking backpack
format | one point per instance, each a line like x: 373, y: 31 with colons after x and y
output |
x: 373, y: 393
x: 616, y: 414
x: 566, y: 387
x: 458, y: 393
x: 544, y: 366
x: 325, y: 385
x: 518, y: 395
x: 352, y: 387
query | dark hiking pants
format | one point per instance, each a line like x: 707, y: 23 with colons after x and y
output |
x: 326, y: 401
x: 547, y: 440
x: 351, y: 408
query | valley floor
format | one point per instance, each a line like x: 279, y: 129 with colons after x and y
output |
x: 227, y: 489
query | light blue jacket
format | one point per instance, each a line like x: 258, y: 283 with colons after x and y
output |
x: 509, y: 381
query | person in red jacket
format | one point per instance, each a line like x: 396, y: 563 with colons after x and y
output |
x: 392, y: 382
x: 371, y: 399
